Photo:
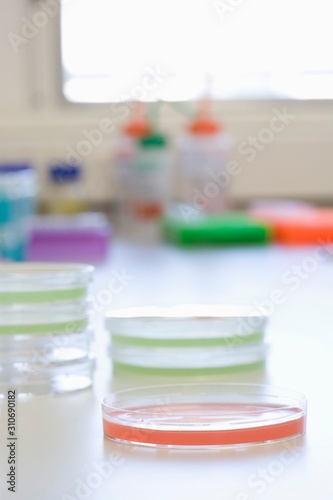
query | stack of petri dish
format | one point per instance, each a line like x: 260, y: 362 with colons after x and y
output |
x: 187, y: 339
x: 45, y: 328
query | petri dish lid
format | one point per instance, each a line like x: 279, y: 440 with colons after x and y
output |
x: 43, y: 282
x: 185, y: 311
x: 204, y: 415
x: 44, y: 318
x: 187, y: 322
x: 189, y: 361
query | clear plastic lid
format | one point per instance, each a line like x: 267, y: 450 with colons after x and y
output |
x: 40, y: 282
x: 204, y: 415
x: 40, y: 377
x: 184, y: 324
x: 188, y: 361
x: 44, y: 318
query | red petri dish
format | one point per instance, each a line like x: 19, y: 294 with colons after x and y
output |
x: 204, y: 415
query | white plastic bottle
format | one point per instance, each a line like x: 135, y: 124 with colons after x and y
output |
x: 126, y: 152
x: 204, y: 156
x: 150, y: 177
x: 143, y: 169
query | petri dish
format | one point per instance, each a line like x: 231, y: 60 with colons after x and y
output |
x: 26, y: 283
x: 184, y: 323
x: 187, y: 339
x: 44, y: 318
x: 44, y: 349
x: 204, y: 415
x: 188, y: 361
x: 40, y: 379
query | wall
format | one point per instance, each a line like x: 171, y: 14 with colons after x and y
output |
x: 37, y: 124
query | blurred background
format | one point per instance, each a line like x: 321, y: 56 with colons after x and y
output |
x: 147, y: 112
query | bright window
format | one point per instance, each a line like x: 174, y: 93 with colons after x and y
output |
x: 116, y: 50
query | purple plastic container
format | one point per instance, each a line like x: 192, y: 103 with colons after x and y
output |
x: 83, y: 237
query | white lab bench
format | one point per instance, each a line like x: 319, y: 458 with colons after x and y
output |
x: 62, y: 454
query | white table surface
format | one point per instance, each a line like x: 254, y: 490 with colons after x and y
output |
x: 60, y: 443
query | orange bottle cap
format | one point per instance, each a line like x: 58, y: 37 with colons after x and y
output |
x: 204, y: 123
x: 137, y: 128
x: 204, y: 126
x: 138, y: 125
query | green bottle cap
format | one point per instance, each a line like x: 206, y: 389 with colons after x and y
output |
x: 153, y: 141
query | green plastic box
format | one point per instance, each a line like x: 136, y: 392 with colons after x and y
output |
x: 232, y: 228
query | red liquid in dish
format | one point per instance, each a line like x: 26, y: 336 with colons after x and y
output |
x: 206, y: 424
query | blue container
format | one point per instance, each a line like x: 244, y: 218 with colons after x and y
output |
x: 18, y: 192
